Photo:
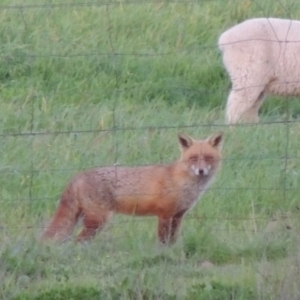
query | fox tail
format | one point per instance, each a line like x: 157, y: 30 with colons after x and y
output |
x: 66, y: 216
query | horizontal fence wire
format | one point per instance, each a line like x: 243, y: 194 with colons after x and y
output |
x: 139, y: 219
x: 143, y: 128
x: 100, y: 3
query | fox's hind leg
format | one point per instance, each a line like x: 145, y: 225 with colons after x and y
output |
x: 168, y: 228
x: 93, y: 221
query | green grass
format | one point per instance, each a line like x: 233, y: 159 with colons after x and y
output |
x: 106, y: 84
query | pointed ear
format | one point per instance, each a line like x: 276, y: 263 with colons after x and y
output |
x: 185, y: 141
x: 216, y: 140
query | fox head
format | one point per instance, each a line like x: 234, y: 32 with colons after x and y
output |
x: 201, y: 157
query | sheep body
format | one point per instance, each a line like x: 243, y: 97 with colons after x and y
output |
x: 261, y: 56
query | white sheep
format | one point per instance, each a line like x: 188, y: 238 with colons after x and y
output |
x: 262, y: 56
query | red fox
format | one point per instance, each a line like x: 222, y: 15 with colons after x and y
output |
x: 165, y: 191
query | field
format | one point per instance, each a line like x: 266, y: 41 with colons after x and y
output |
x: 86, y: 84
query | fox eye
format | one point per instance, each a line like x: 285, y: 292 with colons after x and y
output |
x: 194, y: 159
x: 208, y: 158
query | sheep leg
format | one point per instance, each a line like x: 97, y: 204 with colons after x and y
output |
x: 243, y: 105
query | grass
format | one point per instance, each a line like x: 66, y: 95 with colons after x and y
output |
x: 83, y: 86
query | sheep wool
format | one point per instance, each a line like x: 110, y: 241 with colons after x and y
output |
x: 261, y: 56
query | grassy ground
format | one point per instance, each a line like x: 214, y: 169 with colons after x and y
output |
x: 84, y: 86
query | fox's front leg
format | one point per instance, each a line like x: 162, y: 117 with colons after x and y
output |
x: 168, y: 228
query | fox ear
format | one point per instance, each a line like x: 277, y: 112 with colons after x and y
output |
x: 185, y: 141
x: 216, y: 140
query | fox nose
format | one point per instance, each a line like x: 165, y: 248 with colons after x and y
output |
x: 201, y: 172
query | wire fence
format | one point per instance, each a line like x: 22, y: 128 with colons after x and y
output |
x: 112, y: 55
